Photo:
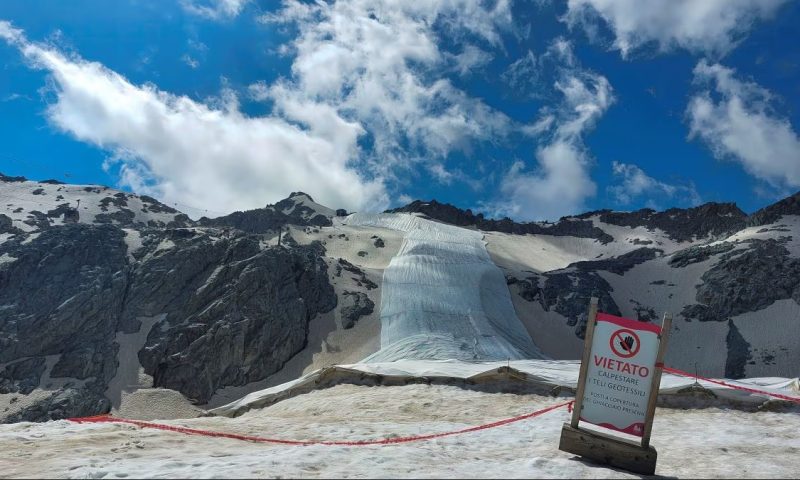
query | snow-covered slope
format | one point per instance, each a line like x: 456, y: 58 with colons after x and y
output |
x: 31, y: 205
x: 694, y: 443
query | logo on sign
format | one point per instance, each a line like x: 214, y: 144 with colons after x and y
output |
x: 625, y: 343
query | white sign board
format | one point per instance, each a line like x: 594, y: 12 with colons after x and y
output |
x: 620, y: 374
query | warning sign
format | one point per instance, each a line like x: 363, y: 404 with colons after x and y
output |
x: 619, y: 375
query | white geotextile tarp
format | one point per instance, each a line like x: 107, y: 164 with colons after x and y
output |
x: 442, y: 297
x: 549, y: 373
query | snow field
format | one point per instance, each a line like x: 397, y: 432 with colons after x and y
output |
x: 691, y: 443
x: 18, y: 202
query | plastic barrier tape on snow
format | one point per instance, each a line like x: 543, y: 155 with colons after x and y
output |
x: 730, y: 385
x: 357, y: 443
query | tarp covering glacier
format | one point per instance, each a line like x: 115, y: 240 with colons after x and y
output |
x: 443, y: 297
x: 552, y: 376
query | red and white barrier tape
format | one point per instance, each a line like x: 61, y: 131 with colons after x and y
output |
x: 356, y: 443
x: 681, y: 373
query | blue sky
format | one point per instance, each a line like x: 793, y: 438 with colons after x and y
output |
x: 532, y: 109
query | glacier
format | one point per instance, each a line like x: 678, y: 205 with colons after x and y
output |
x: 443, y: 297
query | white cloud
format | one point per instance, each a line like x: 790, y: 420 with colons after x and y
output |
x: 259, y: 91
x: 9, y: 33
x: 712, y: 27
x: 360, y: 68
x: 635, y: 183
x: 735, y: 119
x: 200, y: 154
x: 380, y: 64
x: 560, y: 183
x: 214, y: 9
x: 471, y: 58
x: 523, y: 75
x: 189, y: 61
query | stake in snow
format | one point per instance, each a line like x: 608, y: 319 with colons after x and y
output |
x: 617, y: 390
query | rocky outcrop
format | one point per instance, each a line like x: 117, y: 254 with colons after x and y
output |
x: 68, y: 290
x: 681, y: 224
x: 300, y: 213
x: 246, y: 308
x: 358, y: 276
x: 69, y: 402
x: 746, y: 281
x: 7, y: 225
x: 6, y: 178
x: 568, y: 293
x: 444, y: 212
x: 22, y: 376
x: 622, y: 263
x: 354, y: 306
x: 698, y: 254
x: 272, y: 217
x: 63, y: 294
x: 771, y: 214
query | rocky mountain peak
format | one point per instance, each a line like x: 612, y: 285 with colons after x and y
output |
x: 770, y: 214
x: 680, y: 224
x: 6, y: 178
x: 297, y: 209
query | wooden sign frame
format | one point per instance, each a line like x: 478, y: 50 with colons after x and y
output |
x: 617, y: 452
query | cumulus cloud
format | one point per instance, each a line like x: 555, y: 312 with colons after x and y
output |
x: 200, y: 154
x: 380, y: 64
x: 634, y: 183
x: 735, y: 119
x: 214, y: 9
x: 360, y: 70
x: 560, y: 182
x: 712, y: 27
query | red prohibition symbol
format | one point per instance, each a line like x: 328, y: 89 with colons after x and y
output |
x: 625, y: 343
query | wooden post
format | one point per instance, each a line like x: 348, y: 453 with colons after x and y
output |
x: 591, y: 320
x: 666, y: 325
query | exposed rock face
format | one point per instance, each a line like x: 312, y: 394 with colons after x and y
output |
x: 698, y: 254
x: 22, y: 376
x: 568, y: 293
x: 65, y: 289
x: 6, y: 178
x: 359, y: 276
x: 710, y: 219
x: 63, y: 294
x: 771, y: 214
x: 567, y: 226
x: 68, y: 289
x: 622, y: 263
x: 68, y: 402
x: 746, y: 281
x: 245, y: 308
x: 270, y: 218
x: 355, y: 305
x: 262, y: 220
x: 6, y: 225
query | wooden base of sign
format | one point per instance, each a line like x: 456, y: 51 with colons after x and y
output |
x: 606, y: 449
